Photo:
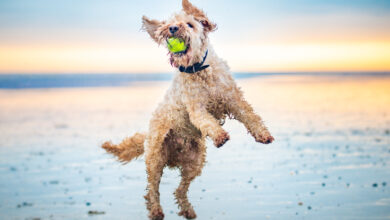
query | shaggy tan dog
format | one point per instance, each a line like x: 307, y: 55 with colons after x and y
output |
x: 202, y: 95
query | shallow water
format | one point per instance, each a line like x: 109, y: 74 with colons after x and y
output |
x: 330, y: 159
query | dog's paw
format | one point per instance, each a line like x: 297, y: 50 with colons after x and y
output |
x: 221, y: 139
x: 265, y: 139
x: 188, y: 214
x: 156, y: 214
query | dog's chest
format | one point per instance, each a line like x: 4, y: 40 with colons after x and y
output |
x: 216, y: 103
x: 211, y: 91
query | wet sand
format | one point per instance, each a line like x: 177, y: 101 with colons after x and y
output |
x: 330, y: 159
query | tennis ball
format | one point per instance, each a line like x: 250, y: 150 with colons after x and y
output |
x: 176, y: 45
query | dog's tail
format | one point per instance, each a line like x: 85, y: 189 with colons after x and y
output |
x: 130, y: 148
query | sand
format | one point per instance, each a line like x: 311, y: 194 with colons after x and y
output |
x: 330, y: 159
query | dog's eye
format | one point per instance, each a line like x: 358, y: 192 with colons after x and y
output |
x: 190, y: 25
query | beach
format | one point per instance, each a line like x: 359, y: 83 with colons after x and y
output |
x: 330, y: 158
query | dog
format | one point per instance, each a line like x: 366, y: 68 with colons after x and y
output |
x: 202, y: 95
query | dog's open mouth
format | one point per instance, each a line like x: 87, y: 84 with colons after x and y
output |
x: 177, y: 46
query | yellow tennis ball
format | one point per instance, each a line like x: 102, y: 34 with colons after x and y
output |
x: 176, y: 45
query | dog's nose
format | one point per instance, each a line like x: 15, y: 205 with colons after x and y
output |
x: 173, y: 29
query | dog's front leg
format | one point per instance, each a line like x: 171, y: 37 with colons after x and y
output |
x: 243, y: 112
x: 206, y: 123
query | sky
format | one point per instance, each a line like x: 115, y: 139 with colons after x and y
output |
x: 101, y: 36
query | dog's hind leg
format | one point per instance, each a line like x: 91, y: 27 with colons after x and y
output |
x: 155, y: 159
x: 189, y: 171
x: 154, y: 169
x: 187, y: 175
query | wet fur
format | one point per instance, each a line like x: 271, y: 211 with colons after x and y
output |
x: 193, y: 108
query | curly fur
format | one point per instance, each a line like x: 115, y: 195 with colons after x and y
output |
x: 193, y: 109
x: 129, y: 149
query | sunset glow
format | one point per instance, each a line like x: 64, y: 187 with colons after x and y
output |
x: 274, y: 38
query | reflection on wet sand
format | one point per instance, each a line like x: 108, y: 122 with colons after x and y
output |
x: 330, y: 158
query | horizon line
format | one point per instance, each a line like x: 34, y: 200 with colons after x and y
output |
x: 232, y: 72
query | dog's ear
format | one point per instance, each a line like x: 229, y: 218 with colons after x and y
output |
x: 151, y: 26
x: 198, y: 15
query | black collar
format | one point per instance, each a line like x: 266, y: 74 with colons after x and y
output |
x: 196, y: 67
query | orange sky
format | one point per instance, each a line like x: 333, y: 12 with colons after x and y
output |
x: 365, y: 56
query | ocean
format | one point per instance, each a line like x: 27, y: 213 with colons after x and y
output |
x: 26, y: 81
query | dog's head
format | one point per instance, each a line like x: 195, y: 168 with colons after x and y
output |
x: 191, y: 25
